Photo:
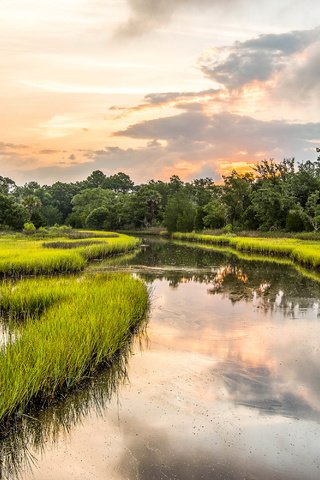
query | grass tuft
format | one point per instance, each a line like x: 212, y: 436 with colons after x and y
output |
x: 71, y: 326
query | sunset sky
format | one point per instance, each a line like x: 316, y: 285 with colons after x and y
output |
x: 156, y: 87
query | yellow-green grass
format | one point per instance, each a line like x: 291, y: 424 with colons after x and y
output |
x: 306, y: 253
x: 241, y: 255
x: 21, y: 256
x: 81, y: 323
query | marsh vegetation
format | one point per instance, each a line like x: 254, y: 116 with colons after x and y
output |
x: 59, y: 330
x: 306, y: 253
x: 24, y: 255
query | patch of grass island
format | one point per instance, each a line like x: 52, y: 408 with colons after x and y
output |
x: 23, y: 255
x: 61, y: 329
x: 302, y: 252
x: 68, y: 328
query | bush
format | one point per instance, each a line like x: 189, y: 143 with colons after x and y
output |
x: 29, y: 228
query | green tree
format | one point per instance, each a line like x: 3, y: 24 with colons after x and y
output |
x: 271, y: 206
x: 99, y: 219
x: 146, y: 204
x: 312, y: 210
x: 119, y: 183
x: 272, y: 171
x: 95, y: 180
x: 7, y: 185
x: 12, y: 214
x: 90, y: 199
x: 62, y: 195
x: 305, y: 181
x: 180, y: 213
x: 216, y: 214
x: 236, y: 195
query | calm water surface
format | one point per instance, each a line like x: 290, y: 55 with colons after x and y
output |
x: 224, y: 383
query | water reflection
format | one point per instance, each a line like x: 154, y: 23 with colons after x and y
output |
x: 265, y: 283
x: 27, y: 435
x: 162, y: 459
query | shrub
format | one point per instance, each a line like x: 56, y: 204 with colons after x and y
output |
x: 29, y: 228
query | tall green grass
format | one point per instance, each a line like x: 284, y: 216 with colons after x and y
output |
x: 306, y: 253
x: 21, y: 256
x: 83, y: 323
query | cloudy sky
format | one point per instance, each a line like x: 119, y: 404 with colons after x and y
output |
x: 156, y: 87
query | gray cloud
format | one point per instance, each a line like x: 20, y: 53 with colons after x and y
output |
x: 256, y: 59
x: 149, y: 14
x: 182, y: 100
x: 288, y: 43
x: 193, y: 144
x: 49, y: 151
x: 301, y: 81
x: 159, y: 98
x: 190, y: 144
x: 12, y: 146
x: 227, y: 133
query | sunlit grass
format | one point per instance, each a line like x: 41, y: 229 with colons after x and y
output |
x: 239, y: 254
x: 21, y: 256
x: 71, y: 326
x: 303, y: 252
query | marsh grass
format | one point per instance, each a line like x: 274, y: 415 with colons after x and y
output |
x: 71, y: 326
x: 239, y: 254
x: 306, y: 253
x: 21, y: 256
x: 38, y: 427
x: 69, y: 244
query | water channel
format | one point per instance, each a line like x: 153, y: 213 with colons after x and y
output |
x: 222, y: 383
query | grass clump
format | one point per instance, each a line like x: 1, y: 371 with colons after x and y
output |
x: 83, y: 323
x: 306, y: 253
x: 24, y: 256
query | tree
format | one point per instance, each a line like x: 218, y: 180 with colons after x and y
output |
x: 98, y: 219
x: 62, y: 194
x: 216, y: 214
x: 95, y: 180
x: 32, y: 204
x: 180, y: 213
x: 146, y: 205
x: 271, y: 206
x: 90, y: 199
x: 7, y: 185
x: 175, y: 184
x: 305, y: 181
x: 237, y: 195
x: 273, y: 171
x: 119, y: 183
x: 312, y: 210
x: 12, y: 214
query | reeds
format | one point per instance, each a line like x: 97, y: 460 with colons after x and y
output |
x: 71, y: 326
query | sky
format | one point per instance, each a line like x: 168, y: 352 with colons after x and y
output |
x: 155, y: 88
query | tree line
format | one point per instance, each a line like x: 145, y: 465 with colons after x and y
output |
x: 274, y: 196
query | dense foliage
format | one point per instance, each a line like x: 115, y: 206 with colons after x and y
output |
x: 276, y: 196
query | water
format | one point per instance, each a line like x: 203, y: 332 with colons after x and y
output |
x: 224, y: 383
